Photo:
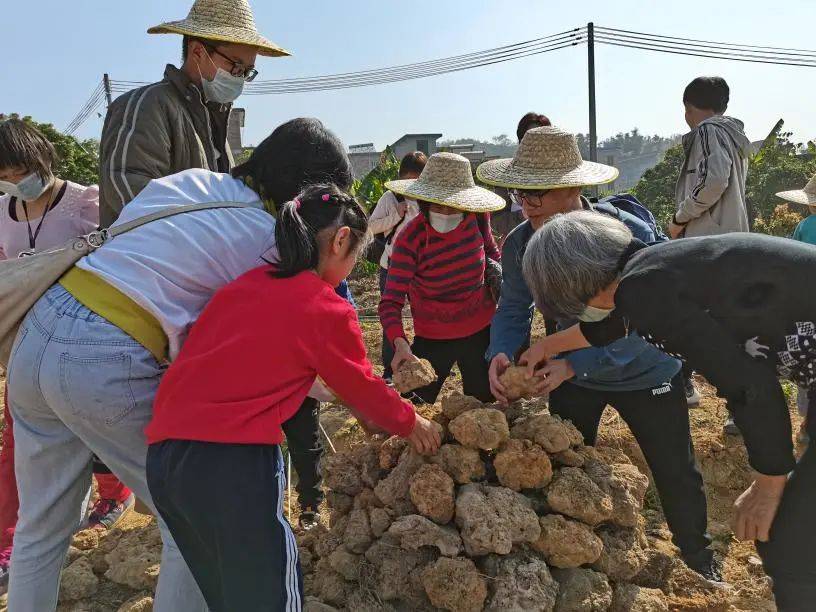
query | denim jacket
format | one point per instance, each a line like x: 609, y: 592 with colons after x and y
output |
x: 628, y: 364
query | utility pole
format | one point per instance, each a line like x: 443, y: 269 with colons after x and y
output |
x: 106, y: 83
x: 593, y: 134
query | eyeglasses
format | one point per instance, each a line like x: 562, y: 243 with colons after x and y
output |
x: 519, y: 196
x: 248, y: 73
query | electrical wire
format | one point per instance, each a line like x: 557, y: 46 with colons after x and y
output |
x: 97, y: 95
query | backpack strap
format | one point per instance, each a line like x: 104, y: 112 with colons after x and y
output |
x: 98, y: 238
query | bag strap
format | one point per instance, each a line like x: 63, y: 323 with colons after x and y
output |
x: 97, y: 239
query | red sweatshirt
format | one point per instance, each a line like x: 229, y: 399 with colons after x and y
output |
x: 253, y: 355
x: 443, y: 276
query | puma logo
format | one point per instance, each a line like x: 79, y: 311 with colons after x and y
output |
x: 666, y: 388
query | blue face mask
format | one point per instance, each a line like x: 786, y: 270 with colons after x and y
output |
x: 28, y: 189
x: 224, y: 88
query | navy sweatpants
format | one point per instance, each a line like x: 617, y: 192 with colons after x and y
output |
x: 223, y: 504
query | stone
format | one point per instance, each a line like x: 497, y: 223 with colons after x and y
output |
x: 462, y: 464
x: 143, y: 602
x: 78, y: 581
x: 568, y: 458
x: 367, y: 458
x: 87, y: 539
x: 380, y: 521
x: 521, y: 464
x: 333, y: 588
x: 346, y: 564
x: 573, y: 493
x: 632, y: 598
x: 493, y: 519
x: 393, y: 490
x: 413, y: 374
x: 357, y: 536
x: 395, y: 570
x: 341, y: 474
x: 135, y: 560
x: 482, y: 428
x: 457, y: 403
x: 455, y: 585
x: 549, y: 431
x: 516, y: 384
x: 366, y: 499
x: 312, y: 604
x: 582, y: 590
x: 623, y: 554
x: 521, y: 582
x: 431, y: 491
x: 340, y: 503
x: 565, y: 543
x: 625, y: 484
x: 414, y: 531
x: 390, y: 452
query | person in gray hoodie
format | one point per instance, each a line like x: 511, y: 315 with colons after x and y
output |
x: 710, y: 190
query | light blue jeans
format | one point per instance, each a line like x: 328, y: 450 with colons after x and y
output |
x: 78, y: 385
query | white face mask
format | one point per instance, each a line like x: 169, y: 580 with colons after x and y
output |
x: 28, y: 189
x: 224, y: 88
x: 445, y: 223
x: 591, y: 314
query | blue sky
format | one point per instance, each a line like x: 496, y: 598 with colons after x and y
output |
x: 56, y: 52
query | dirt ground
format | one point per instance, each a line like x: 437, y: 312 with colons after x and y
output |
x: 117, y: 571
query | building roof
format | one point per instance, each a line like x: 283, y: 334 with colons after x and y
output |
x: 418, y: 135
x: 367, y: 147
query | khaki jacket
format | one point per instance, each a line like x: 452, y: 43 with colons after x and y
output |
x: 155, y: 131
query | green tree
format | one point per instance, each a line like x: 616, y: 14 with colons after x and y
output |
x: 656, y: 187
x: 372, y: 186
x: 78, y: 160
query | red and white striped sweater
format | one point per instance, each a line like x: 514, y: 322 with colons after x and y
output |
x: 443, y: 277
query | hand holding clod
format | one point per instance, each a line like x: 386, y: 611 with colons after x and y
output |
x: 537, y: 355
x: 498, y: 366
x: 756, y: 508
x: 425, y: 438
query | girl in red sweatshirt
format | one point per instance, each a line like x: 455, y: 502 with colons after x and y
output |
x: 245, y: 368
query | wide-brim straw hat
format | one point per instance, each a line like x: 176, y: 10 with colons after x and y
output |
x: 547, y: 158
x: 228, y: 21
x: 806, y: 196
x: 447, y: 180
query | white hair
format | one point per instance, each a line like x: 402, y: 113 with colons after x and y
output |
x: 572, y: 258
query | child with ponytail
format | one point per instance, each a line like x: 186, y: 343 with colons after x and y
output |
x: 245, y: 368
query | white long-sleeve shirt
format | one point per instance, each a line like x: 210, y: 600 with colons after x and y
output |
x: 386, y: 217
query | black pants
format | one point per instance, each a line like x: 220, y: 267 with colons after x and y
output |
x: 468, y: 352
x: 223, y: 504
x: 387, y: 351
x: 789, y: 556
x: 660, y: 423
x: 305, y: 447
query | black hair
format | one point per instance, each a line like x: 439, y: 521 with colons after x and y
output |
x: 21, y: 144
x: 300, y: 221
x: 413, y: 163
x: 299, y: 153
x: 707, y: 93
x: 185, y: 45
x: 529, y: 121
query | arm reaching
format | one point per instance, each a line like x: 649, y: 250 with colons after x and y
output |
x: 570, y: 339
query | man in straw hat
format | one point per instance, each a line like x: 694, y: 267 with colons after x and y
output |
x: 181, y: 122
x: 440, y: 260
x: 642, y: 383
x: 804, y: 232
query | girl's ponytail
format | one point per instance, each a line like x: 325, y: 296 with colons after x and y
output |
x: 300, y: 221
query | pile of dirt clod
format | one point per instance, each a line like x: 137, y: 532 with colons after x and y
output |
x: 512, y: 513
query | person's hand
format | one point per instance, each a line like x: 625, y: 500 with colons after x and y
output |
x: 537, y: 355
x: 757, y: 506
x: 402, y: 208
x: 402, y: 353
x: 425, y: 437
x: 554, y: 372
x: 321, y: 392
x: 675, y: 230
x: 498, y: 365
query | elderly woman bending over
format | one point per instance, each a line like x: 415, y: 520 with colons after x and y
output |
x: 732, y: 306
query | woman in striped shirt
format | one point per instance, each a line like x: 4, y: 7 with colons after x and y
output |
x: 439, y: 262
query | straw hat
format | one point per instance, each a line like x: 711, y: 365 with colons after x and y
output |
x: 228, y: 21
x: 547, y: 158
x: 806, y: 196
x: 448, y: 180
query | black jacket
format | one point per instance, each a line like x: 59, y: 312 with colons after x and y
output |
x: 728, y: 305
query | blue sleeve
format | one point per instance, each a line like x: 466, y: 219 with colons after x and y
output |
x: 797, y: 233
x: 514, y: 318
x: 639, y: 228
x: 591, y: 362
x: 344, y: 291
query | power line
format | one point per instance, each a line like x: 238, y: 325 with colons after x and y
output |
x: 96, y: 97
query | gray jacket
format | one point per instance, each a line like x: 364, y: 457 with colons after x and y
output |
x: 710, y: 191
x: 155, y: 131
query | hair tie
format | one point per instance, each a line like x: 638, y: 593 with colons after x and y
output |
x: 296, y: 202
x: 325, y: 197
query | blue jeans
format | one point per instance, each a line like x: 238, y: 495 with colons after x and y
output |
x: 78, y: 385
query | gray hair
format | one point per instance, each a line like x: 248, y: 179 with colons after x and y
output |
x: 572, y: 258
